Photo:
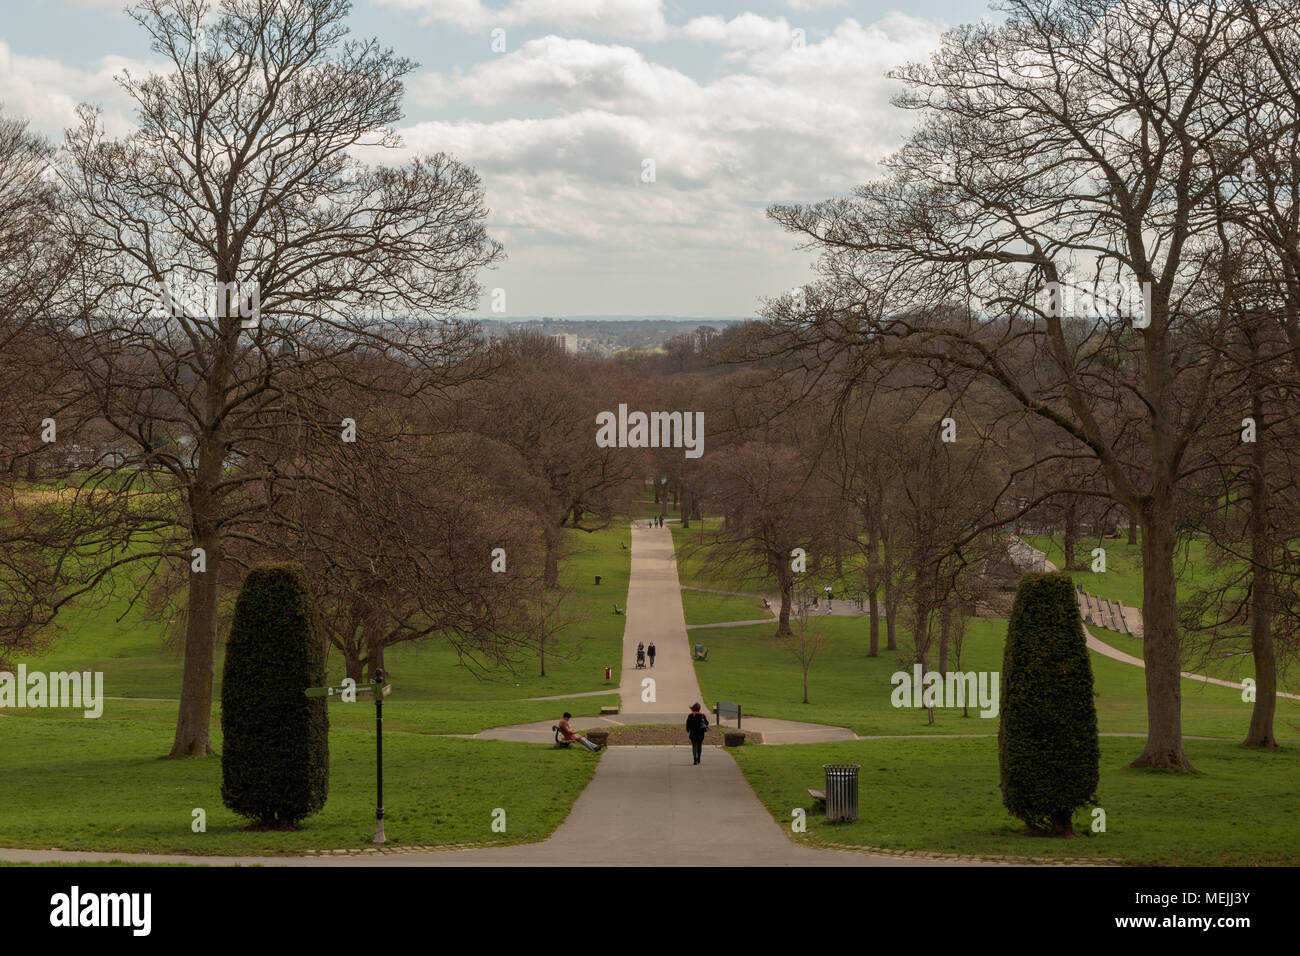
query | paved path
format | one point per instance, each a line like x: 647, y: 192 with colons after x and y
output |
x: 654, y: 613
x: 645, y: 806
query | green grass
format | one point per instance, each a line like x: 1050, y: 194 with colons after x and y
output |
x: 1122, y: 579
x: 702, y: 607
x: 849, y: 689
x: 100, y: 785
x: 846, y: 688
x: 138, y: 663
x: 693, y: 568
x: 943, y: 796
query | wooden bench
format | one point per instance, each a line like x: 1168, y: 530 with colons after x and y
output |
x: 726, y: 708
x: 617, y: 609
x: 559, y: 738
x: 701, y: 652
x: 818, y: 795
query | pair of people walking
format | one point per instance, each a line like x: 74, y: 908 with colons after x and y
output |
x: 643, y: 652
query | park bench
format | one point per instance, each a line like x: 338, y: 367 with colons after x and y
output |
x: 818, y: 795
x: 726, y: 708
x: 701, y: 652
x: 617, y: 609
x: 559, y: 738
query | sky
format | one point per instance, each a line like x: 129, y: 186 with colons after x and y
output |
x: 628, y: 148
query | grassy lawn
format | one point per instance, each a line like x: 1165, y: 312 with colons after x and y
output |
x: 943, y: 796
x: 137, y: 663
x: 82, y: 784
x: 848, y: 689
x: 693, y: 569
x: 702, y: 607
x: 101, y: 785
x: 1122, y: 579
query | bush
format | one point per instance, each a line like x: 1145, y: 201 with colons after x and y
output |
x: 1048, y: 749
x: 275, y: 754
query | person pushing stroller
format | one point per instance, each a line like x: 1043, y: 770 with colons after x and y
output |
x: 640, y: 657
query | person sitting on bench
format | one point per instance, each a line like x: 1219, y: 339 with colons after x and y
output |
x: 569, y: 734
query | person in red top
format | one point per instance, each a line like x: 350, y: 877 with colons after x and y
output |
x: 697, y: 725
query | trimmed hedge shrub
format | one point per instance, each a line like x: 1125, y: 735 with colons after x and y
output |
x: 1048, y: 749
x: 275, y: 751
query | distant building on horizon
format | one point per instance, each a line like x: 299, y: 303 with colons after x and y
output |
x: 566, y: 341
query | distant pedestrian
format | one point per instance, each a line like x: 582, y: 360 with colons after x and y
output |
x: 650, y: 653
x: 697, y: 725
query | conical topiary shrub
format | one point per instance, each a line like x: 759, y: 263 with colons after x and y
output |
x: 275, y: 749
x: 1047, y: 742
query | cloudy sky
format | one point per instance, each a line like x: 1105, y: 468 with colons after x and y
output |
x: 730, y: 102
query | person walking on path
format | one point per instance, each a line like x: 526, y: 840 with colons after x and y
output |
x: 697, y: 725
x: 650, y: 653
x: 569, y: 734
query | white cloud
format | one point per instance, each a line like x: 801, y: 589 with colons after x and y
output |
x: 747, y: 31
x: 563, y: 173
x: 803, y: 6
x: 627, y: 18
x: 47, y: 91
x: 563, y: 72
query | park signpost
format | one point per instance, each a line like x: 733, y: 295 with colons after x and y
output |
x: 347, y: 692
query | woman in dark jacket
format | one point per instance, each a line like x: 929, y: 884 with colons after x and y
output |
x: 696, y: 727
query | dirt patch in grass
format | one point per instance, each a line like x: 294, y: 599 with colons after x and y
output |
x: 666, y: 735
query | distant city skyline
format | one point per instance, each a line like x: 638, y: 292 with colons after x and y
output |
x: 628, y: 148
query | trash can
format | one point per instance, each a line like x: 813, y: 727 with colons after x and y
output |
x: 598, y: 579
x: 841, y: 791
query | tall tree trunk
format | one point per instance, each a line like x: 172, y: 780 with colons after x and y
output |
x: 686, y: 508
x: 785, y: 578
x: 1132, y: 529
x: 1164, y: 747
x: 351, y: 660
x: 552, y: 538
x: 945, y: 631
x: 873, y: 558
x: 1071, y: 534
x: 891, y: 604
x: 921, y: 636
x: 1260, y: 733
x: 194, y: 715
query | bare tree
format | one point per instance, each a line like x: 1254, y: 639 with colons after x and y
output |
x: 1051, y: 155
x: 240, y: 255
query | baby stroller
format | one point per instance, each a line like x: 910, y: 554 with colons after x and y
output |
x: 640, y: 658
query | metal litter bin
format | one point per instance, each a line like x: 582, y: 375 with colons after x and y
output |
x: 841, y: 791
